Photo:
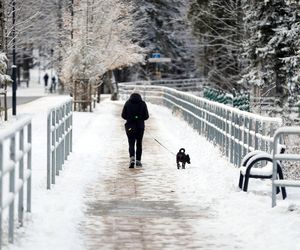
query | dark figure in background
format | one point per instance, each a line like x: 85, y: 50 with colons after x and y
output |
x: 46, y: 77
x: 135, y: 112
x: 53, y: 84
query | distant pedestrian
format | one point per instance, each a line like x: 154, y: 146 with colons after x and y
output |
x: 53, y: 85
x: 135, y: 112
x: 46, y: 77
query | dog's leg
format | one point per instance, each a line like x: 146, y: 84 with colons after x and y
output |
x: 183, y: 165
x: 178, y: 165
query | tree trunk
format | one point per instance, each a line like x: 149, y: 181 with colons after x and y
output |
x: 2, y: 26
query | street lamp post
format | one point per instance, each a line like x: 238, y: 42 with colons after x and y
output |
x: 14, y: 66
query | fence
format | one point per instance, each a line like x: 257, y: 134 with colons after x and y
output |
x: 59, y: 138
x: 236, y: 132
x: 237, y: 100
x: 267, y: 104
x: 181, y: 84
x: 284, y: 131
x: 15, y: 171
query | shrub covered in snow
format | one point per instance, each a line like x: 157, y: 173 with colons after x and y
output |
x: 4, y: 78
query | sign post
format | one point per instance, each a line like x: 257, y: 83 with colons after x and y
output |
x: 157, y: 59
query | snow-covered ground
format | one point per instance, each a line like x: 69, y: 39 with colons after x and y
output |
x: 239, y: 220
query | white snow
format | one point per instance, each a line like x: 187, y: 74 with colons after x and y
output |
x: 241, y: 220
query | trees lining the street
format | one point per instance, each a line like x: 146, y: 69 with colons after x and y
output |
x: 251, y: 45
x: 101, y: 41
x: 162, y: 25
x: 219, y: 28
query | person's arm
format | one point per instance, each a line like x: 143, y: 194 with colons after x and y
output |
x: 145, y: 113
x: 124, y: 112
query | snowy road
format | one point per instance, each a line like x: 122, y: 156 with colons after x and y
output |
x: 98, y: 203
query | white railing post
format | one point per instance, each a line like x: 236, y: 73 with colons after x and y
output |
x: 48, y: 151
x: 53, y: 155
x: 278, y: 156
x: 12, y: 165
x: 21, y: 177
x: 1, y: 190
x: 56, y: 143
x: 250, y: 145
x: 59, y: 139
x: 12, y: 189
x: 255, y: 135
x: 227, y: 132
x: 29, y: 166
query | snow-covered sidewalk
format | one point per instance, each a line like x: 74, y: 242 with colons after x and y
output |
x: 98, y: 203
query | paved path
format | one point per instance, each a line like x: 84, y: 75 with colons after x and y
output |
x: 21, y: 100
x: 139, y: 208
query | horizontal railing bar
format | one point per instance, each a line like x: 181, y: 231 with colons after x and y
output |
x: 8, y: 167
x: 27, y: 147
x: 20, y: 123
x: 9, y: 197
x: 287, y: 183
x: 287, y: 157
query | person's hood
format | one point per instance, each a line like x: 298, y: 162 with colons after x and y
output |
x: 135, y: 97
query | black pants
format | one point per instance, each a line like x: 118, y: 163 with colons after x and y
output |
x: 135, y: 137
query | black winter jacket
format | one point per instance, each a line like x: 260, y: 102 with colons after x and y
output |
x: 135, y: 112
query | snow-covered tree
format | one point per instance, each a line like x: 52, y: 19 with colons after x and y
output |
x: 163, y: 25
x: 272, y: 47
x: 4, y: 78
x: 2, y: 25
x: 102, y: 40
x: 218, y: 25
x: 39, y: 25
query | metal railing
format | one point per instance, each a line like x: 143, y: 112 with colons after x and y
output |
x: 15, y: 171
x: 182, y: 84
x: 236, y: 132
x: 267, y: 104
x: 59, y: 138
x: 284, y: 131
x: 236, y: 99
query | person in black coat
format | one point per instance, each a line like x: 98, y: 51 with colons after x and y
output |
x: 46, y: 77
x: 135, y: 112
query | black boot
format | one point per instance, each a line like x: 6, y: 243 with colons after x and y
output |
x: 139, y: 164
x: 131, y: 162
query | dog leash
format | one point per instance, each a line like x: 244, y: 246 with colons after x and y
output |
x: 161, y: 144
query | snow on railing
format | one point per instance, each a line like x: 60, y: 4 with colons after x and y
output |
x: 15, y: 171
x: 182, y: 84
x: 59, y: 138
x: 236, y: 132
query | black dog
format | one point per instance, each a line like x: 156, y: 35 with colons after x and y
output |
x: 183, y: 158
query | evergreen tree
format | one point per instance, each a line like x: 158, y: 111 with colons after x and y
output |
x: 218, y: 26
x: 162, y: 25
x: 272, y: 47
